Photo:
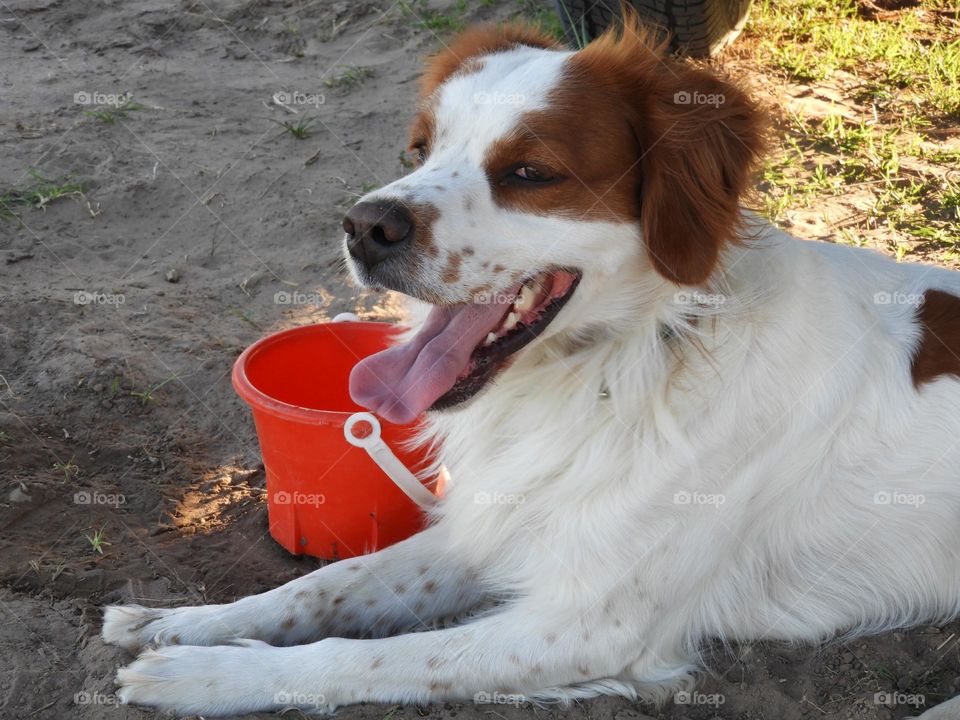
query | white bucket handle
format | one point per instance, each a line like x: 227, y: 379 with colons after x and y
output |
x: 383, y: 456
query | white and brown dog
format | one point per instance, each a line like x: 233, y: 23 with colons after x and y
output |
x: 716, y: 430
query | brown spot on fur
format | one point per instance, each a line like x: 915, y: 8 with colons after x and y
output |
x: 468, y: 204
x: 287, y: 624
x: 468, y: 251
x: 481, y: 289
x: 455, y: 173
x: 438, y: 686
x: 339, y: 599
x: 462, y: 54
x: 400, y: 589
x: 677, y: 170
x: 433, y: 663
x: 430, y: 586
x: 584, y: 670
x: 550, y: 638
x: 422, y: 570
x: 498, y: 268
x: 175, y: 639
x: 370, y: 602
x: 377, y: 662
x: 419, y: 607
x: 939, y: 350
x: 451, y: 273
x: 515, y: 659
x: 424, y: 215
x: 439, y: 188
x: 301, y: 595
x: 354, y: 567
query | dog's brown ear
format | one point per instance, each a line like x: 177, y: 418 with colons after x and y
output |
x: 476, y: 42
x: 698, y: 137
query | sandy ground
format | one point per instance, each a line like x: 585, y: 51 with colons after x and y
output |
x: 197, y: 210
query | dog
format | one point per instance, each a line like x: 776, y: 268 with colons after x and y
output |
x: 666, y: 422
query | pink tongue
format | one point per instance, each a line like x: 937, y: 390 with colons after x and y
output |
x: 403, y: 381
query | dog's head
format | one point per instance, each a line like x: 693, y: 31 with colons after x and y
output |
x: 545, y: 177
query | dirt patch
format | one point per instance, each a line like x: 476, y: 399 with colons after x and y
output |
x: 129, y: 470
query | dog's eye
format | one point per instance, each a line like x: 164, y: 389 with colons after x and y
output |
x: 532, y: 174
x: 419, y: 154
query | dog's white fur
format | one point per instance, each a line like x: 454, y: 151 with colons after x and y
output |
x: 652, y: 474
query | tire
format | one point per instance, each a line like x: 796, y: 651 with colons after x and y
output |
x: 698, y: 28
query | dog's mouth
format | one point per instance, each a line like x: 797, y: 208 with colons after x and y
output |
x: 460, y: 349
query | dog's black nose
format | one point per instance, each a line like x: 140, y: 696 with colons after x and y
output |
x: 376, y: 231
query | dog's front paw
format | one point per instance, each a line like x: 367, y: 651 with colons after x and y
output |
x: 133, y: 627
x: 128, y: 625
x: 192, y: 680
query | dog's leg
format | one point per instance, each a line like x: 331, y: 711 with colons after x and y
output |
x: 527, y: 650
x: 949, y: 710
x: 399, y: 588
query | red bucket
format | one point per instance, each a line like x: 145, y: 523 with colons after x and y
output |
x: 329, y: 494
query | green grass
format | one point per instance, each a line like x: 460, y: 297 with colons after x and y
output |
x: 350, y: 76
x: 97, y: 541
x: 70, y: 469
x: 913, y: 59
x: 419, y: 13
x: 301, y: 129
x: 546, y: 16
x: 878, y: 155
x: 38, y: 194
x: 146, y: 396
x: 110, y: 115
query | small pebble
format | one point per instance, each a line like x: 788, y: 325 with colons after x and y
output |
x: 173, y: 275
x: 17, y: 495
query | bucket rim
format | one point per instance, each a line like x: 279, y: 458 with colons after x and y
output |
x: 259, y: 401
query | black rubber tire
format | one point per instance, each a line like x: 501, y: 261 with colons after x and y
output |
x: 698, y: 28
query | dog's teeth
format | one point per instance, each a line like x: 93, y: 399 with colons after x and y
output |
x: 525, y: 300
x: 491, y: 339
x: 511, y: 322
